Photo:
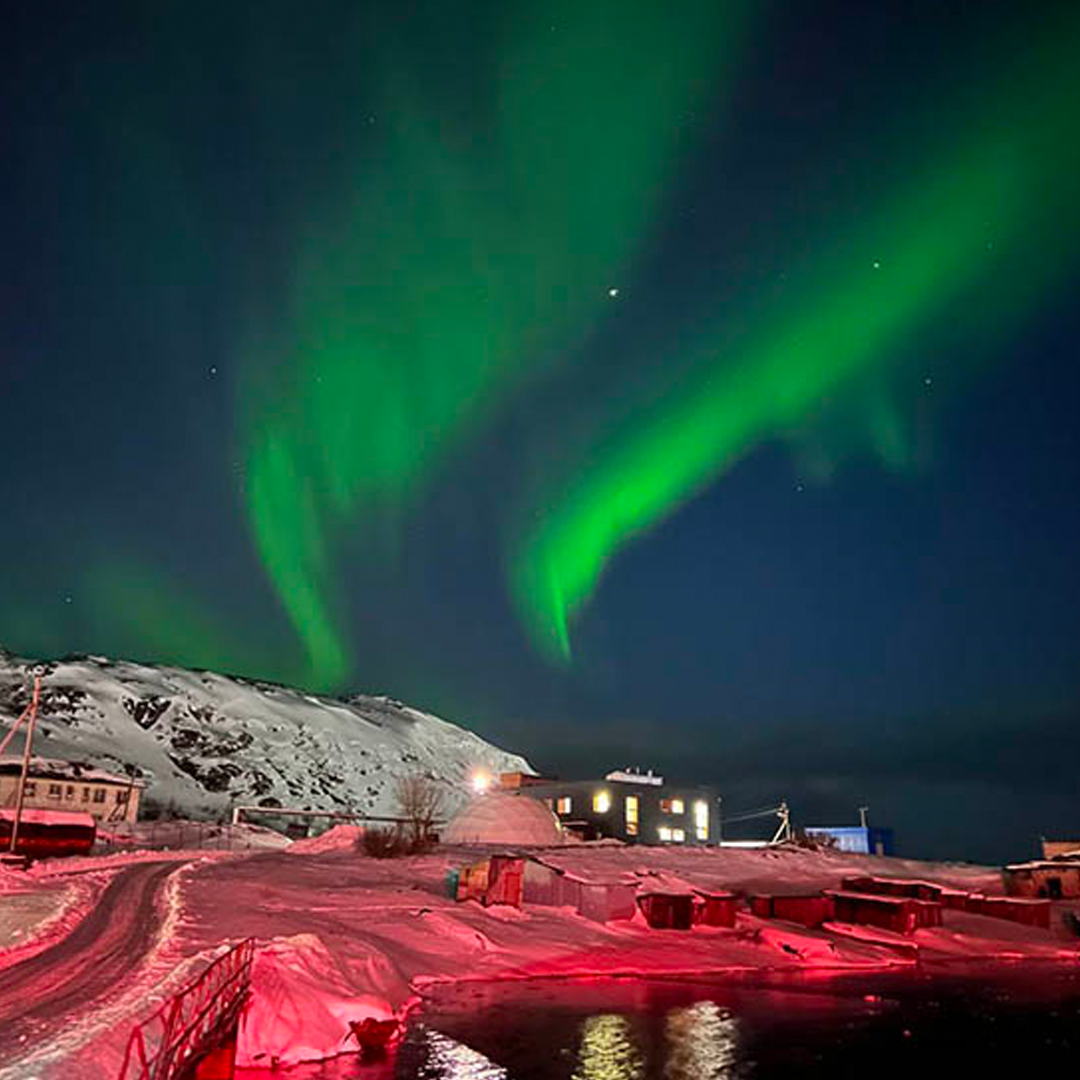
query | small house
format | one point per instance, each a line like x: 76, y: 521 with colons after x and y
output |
x: 52, y: 784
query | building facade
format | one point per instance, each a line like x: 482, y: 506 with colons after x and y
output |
x: 64, y: 785
x: 630, y: 806
x: 859, y: 839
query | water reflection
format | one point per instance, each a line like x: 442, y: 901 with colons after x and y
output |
x: 447, y: 1059
x: 703, y: 1043
x: 608, y: 1050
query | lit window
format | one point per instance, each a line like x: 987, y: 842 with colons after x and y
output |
x: 672, y: 806
x: 601, y: 802
x: 701, y: 819
x: 678, y: 835
x: 664, y: 833
x: 564, y: 805
x: 631, y: 815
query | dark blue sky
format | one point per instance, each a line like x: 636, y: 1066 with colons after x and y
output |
x: 906, y: 638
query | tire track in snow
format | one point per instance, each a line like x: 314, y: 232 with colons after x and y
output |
x: 43, y: 996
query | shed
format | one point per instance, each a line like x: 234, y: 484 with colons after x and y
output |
x: 809, y: 910
x: 1015, y: 909
x: 606, y: 901
x: 715, y: 908
x: 504, y: 885
x: 667, y: 911
x: 895, y: 913
x: 1056, y: 879
x: 880, y: 886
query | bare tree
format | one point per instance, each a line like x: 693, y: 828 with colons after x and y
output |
x: 420, y: 803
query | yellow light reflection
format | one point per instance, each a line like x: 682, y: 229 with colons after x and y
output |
x: 608, y: 1050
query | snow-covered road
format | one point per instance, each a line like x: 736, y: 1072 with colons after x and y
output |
x: 43, y: 996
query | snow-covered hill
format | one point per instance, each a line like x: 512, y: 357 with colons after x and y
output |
x: 205, y: 742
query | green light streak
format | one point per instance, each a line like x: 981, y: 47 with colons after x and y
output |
x: 952, y: 242
x: 454, y: 264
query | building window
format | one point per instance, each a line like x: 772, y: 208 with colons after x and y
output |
x: 70, y: 794
x: 99, y: 795
x: 601, y: 802
x: 672, y: 806
x: 678, y: 835
x: 31, y: 788
x: 631, y: 815
x: 701, y: 819
x: 55, y: 791
x: 122, y: 795
x: 85, y: 793
x: 664, y: 832
x: 564, y: 805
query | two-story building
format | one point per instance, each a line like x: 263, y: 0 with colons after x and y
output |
x: 627, y: 805
x: 52, y: 784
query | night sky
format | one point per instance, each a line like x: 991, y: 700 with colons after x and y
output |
x: 686, y: 385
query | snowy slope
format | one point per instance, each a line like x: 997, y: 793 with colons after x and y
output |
x: 205, y: 741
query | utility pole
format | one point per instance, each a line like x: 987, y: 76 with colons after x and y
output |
x: 862, y: 815
x: 783, y: 831
x: 25, y: 763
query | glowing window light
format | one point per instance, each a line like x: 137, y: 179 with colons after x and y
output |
x: 601, y: 802
x: 678, y: 835
x: 664, y: 833
x: 701, y: 819
x: 564, y: 805
x: 631, y: 815
x: 678, y: 806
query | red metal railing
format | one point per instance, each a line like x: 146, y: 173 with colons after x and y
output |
x: 189, y: 1024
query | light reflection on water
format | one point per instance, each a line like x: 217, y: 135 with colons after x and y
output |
x: 608, y: 1050
x: 908, y: 1026
x: 446, y: 1059
x: 703, y: 1043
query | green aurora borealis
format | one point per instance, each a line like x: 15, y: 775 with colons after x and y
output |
x: 467, y: 259
x: 464, y: 261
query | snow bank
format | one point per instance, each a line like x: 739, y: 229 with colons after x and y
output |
x: 340, y: 837
x: 302, y: 1002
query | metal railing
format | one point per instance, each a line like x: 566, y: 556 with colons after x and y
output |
x: 193, y: 1021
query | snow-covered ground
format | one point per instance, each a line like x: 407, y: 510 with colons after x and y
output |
x: 343, y: 937
x: 205, y: 742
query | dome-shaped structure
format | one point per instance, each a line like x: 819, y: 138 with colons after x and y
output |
x: 499, y: 818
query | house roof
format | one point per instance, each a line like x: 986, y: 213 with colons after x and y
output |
x: 56, y: 769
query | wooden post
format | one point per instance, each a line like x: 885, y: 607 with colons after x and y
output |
x: 25, y: 764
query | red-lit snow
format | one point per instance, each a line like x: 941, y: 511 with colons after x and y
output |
x: 343, y: 937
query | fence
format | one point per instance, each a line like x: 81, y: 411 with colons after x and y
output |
x: 181, y: 835
x: 188, y: 1026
